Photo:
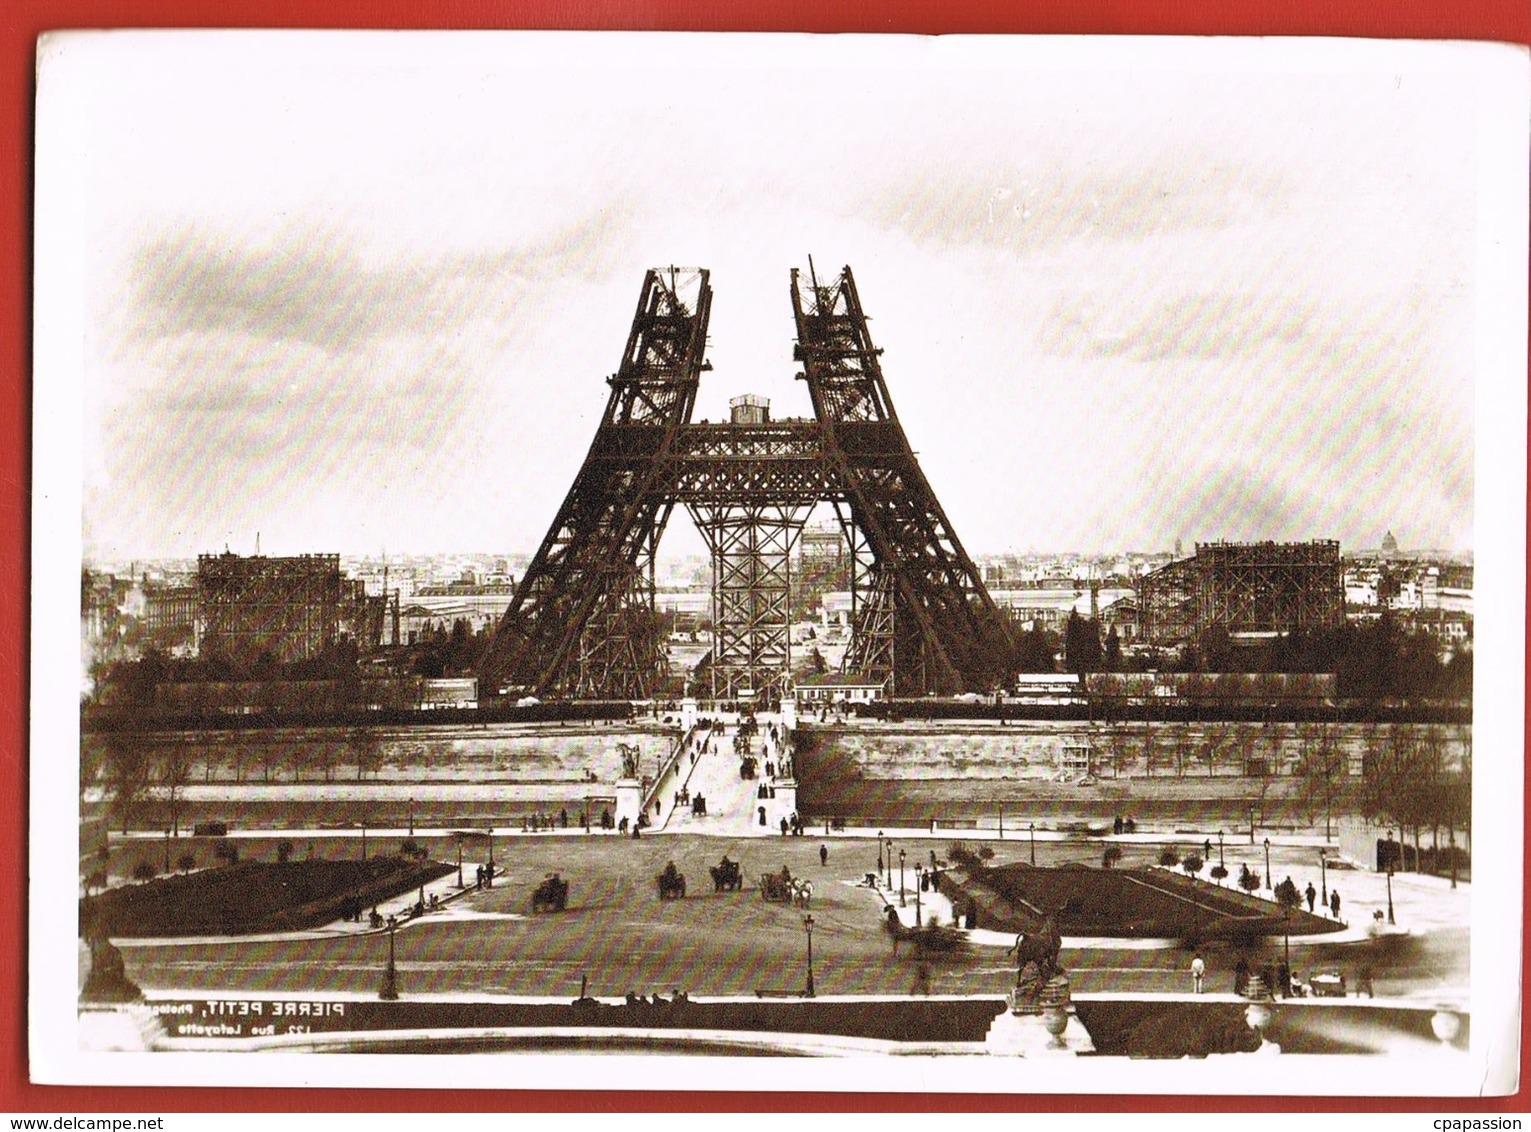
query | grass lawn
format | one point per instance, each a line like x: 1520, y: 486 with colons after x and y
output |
x: 254, y: 896
x: 1137, y: 903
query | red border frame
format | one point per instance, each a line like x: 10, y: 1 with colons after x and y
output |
x: 23, y: 20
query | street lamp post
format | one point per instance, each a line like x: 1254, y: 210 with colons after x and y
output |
x: 1002, y: 823
x: 918, y: 868
x: 1221, y: 862
x: 390, y: 989
x: 1323, y: 876
x: 364, y: 839
x: 459, y: 862
x: 1390, y: 893
x: 900, y: 878
x: 167, y: 851
x: 808, y: 927
x: 411, y: 817
x: 1267, y: 862
x: 489, y: 877
x: 1031, y: 828
x: 879, y: 854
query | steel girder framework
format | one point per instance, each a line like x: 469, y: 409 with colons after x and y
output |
x: 752, y: 549
x: 582, y: 622
x: 947, y: 635
x: 1261, y: 587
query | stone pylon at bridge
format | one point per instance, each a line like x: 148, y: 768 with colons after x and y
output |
x: 583, y: 622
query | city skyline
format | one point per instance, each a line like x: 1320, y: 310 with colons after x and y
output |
x: 516, y: 559
x: 371, y: 305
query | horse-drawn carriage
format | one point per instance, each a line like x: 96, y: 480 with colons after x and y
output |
x: 727, y: 876
x: 931, y: 939
x: 784, y: 888
x: 552, y: 895
x: 672, y: 885
x: 776, y: 887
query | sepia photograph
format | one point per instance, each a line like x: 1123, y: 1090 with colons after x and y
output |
x: 625, y: 552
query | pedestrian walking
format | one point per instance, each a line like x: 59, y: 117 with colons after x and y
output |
x: 1198, y: 973
x: 921, y: 980
x: 823, y: 855
x: 1364, y: 983
x: 1312, y: 894
x: 1334, y: 902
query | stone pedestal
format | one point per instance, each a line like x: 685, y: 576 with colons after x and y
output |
x: 629, y: 801
x: 788, y: 712
x: 1259, y: 1012
x: 688, y: 714
x: 1045, y: 1032
x: 1044, y: 1028
x: 1445, y: 1024
x: 119, y: 1029
x: 784, y: 805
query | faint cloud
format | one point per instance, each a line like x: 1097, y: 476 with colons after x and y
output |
x: 1192, y: 324
x: 1031, y: 209
x: 325, y: 287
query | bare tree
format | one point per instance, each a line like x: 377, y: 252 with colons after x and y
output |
x: 1320, y: 770
x: 1118, y: 750
x: 1243, y: 740
x: 175, y: 773
x: 1388, y: 790
x: 1107, y: 689
x: 128, y: 770
x: 1193, y: 691
x: 322, y: 755
x: 1457, y: 807
x: 1214, y: 741
x: 1150, y: 748
x: 367, y: 749
x: 1434, y: 783
x: 270, y: 755
x: 1184, y: 746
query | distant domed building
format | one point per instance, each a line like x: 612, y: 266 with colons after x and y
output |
x: 1389, y: 545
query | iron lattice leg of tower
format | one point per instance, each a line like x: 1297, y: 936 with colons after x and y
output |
x: 752, y: 548
x: 582, y: 622
x: 947, y: 634
x: 871, y: 653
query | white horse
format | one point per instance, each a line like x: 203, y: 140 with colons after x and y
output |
x: 802, y: 892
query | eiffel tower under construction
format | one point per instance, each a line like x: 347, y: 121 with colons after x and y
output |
x: 583, y: 624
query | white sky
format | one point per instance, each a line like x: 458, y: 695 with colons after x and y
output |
x: 361, y: 292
